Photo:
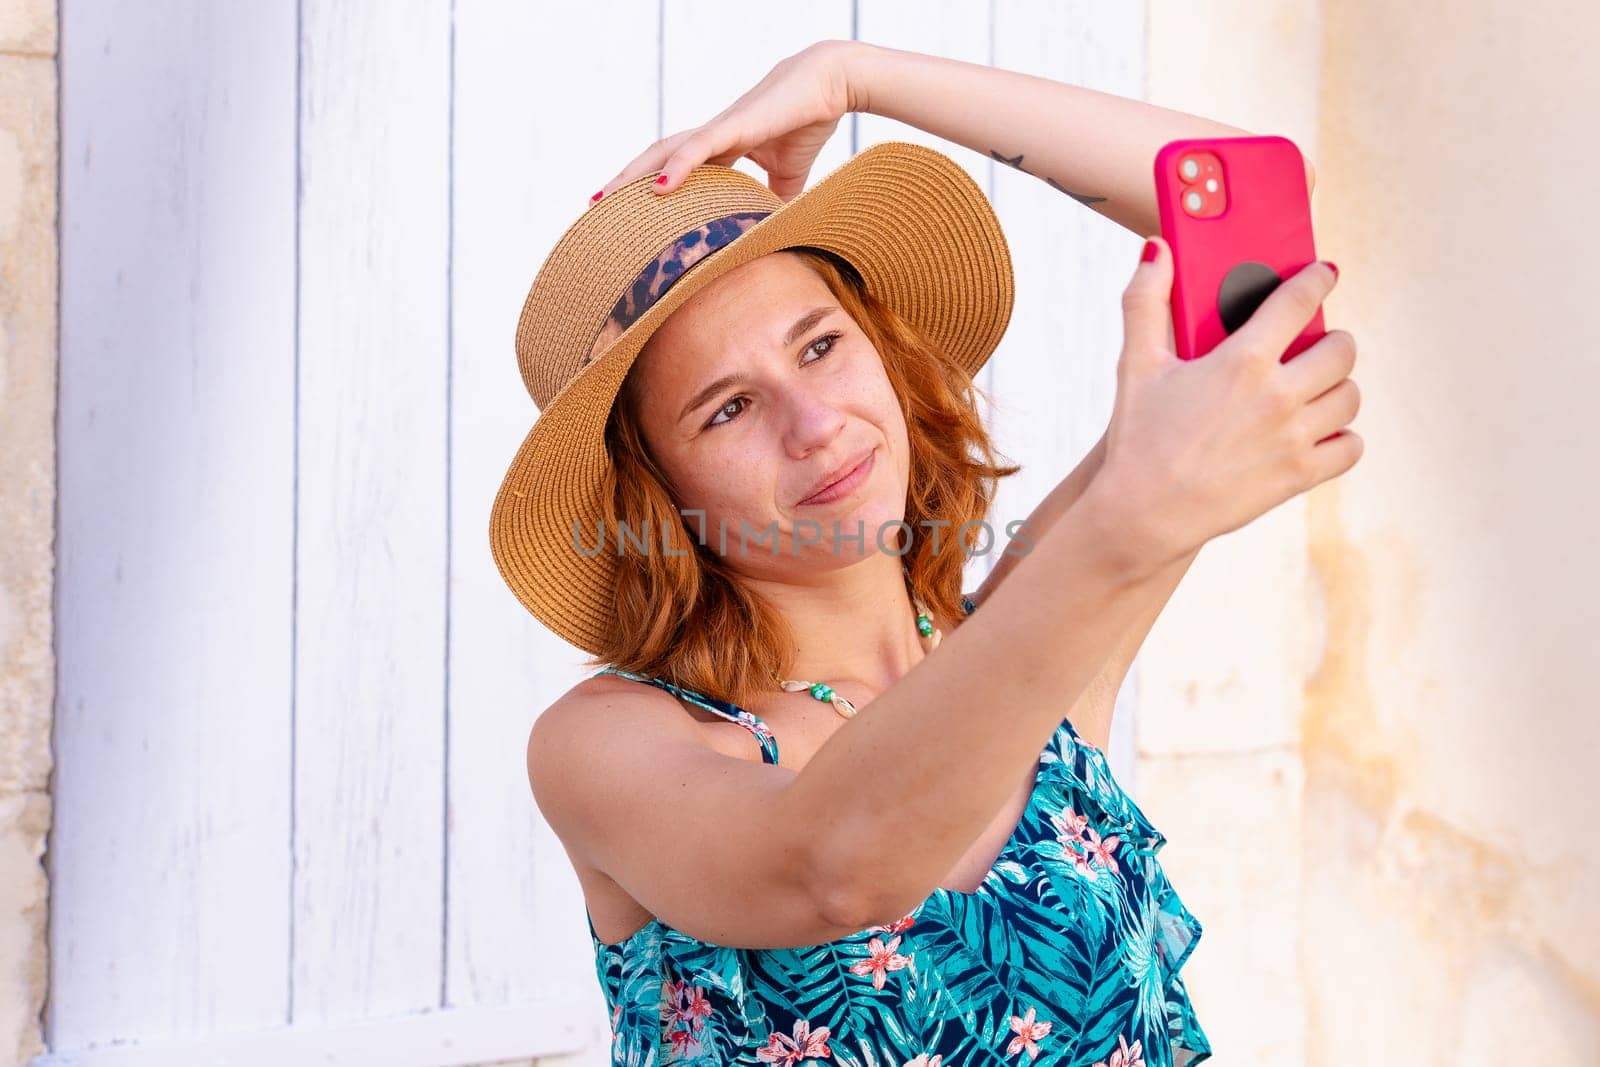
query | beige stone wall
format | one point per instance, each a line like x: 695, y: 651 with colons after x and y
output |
x: 28, y: 256
x: 1221, y: 676
x: 1380, y: 799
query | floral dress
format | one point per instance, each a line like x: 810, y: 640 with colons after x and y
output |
x: 1067, y: 953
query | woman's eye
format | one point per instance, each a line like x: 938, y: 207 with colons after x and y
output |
x: 829, y: 339
x: 720, y: 410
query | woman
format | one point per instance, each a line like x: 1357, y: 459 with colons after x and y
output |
x: 756, y: 421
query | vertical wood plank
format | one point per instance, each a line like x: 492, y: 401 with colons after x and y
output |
x: 956, y: 30
x: 1054, y: 377
x: 370, y: 619
x: 551, y: 101
x: 169, y: 861
x: 715, y: 51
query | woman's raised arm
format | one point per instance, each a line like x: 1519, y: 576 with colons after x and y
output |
x: 1095, y: 147
x: 1194, y: 449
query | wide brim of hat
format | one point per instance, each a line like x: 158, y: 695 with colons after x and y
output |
x: 926, y: 241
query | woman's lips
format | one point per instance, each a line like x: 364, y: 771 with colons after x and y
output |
x: 846, y: 485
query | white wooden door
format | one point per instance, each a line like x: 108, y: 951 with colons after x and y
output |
x: 292, y: 823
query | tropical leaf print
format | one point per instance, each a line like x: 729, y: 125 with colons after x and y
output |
x: 1066, y: 954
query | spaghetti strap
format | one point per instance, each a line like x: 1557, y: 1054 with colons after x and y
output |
x: 732, y: 712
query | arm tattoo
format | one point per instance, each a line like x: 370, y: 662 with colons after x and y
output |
x: 1016, y: 161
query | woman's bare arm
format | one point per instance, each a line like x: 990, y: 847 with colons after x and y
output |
x: 737, y: 852
x: 1092, y: 714
x: 1095, y: 147
x: 993, y: 692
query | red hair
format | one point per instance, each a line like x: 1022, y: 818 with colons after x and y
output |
x: 688, y: 620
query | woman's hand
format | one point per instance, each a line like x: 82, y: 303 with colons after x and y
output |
x: 781, y: 124
x: 1201, y: 447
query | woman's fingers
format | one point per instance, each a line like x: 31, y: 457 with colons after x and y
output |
x: 1332, y: 411
x: 781, y: 124
x: 715, y: 142
x: 647, y: 162
x: 1273, y: 326
x: 1320, y: 367
x: 1334, y: 455
x: 1147, y: 308
x: 674, y: 157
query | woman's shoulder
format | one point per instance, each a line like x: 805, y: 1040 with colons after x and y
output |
x: 603, y: 702
x: 580, y: 749
x: 606, y: 684
x: 604, y: 709
x: 603, y: 722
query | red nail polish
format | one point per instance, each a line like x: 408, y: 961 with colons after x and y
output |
x: 596, y: 196
x: 1151, y: 250
x: 661, y: 180
x: 1332, y: 266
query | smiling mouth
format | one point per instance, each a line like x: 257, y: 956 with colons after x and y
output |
x: 845, y: 485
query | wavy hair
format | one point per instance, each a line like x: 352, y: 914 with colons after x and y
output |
x: 682, y: 615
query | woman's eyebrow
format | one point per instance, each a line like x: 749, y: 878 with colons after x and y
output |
x: 801, y: 325
x: 805, y: 322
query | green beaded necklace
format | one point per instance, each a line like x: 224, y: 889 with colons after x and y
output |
x: 823, y: 691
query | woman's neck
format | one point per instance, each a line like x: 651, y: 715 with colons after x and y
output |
x: 854, y: 625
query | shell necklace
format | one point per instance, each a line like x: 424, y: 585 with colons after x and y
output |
x: 823, y: 691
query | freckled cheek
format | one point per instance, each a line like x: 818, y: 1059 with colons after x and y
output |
x: 866, y: 387
x: 861, y: 380
x: 875, y: 402
x: 738, y: 485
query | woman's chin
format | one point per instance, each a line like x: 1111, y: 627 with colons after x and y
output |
x: 852, y: 533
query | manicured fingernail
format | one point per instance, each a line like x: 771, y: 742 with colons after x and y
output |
x: 596, y: 196
x: 662, y: 180
x: 1332, y: 266
x: 1151, y: 250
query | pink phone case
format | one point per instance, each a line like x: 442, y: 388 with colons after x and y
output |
x: 1246, y: 227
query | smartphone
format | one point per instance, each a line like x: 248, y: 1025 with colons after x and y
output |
x: 1237, y: 215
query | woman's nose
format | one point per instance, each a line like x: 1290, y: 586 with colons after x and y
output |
x: 813, y: 420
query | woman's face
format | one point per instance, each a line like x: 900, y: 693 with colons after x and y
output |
x: 749, y: 400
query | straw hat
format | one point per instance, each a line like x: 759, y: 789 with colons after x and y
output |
x: 915, y: 226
